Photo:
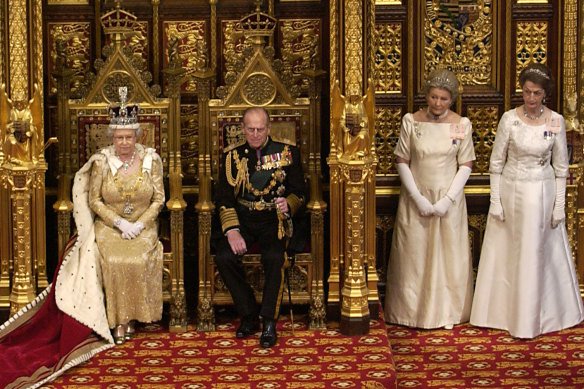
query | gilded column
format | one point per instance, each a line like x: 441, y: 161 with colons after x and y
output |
x: 63, y: 206
x: 155, y: 40
x: 176, y: 203
x: 352, y: 161
x: 19, y: 53
x: 23, y: 290
x: 336, y: 242
x: 204, y: 206
x: 316, y: 206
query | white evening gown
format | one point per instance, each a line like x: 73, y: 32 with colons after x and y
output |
x: 429, y: 274
x: 526, y: 282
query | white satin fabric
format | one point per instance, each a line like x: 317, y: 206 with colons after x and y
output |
x: 526, y: 282
x: 429, y: 274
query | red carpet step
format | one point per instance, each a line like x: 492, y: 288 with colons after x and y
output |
x: 157, y: 359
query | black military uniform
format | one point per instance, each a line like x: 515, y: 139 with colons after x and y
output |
x: 249, y: 181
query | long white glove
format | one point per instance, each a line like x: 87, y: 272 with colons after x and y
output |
x: 424, y: 205
x: 136, y: 230
x: 496, y: 209
x: 559, y: 212
x: 441, y: 206
x: 129, y: 230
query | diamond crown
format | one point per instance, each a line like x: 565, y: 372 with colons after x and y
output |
x: 123, y: 116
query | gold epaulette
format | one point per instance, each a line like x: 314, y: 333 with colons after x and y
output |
x: 294, y: 202
x: 228, y: 218
x: 234, y: 145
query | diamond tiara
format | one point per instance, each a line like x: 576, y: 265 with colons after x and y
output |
x: 538, y: 72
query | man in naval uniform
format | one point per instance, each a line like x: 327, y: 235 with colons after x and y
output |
x: 261, y: 186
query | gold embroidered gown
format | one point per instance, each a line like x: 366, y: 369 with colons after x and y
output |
x: 429, y: 273
x: 131, y: 268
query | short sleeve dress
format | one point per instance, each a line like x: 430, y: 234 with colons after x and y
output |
x: 429, y: 274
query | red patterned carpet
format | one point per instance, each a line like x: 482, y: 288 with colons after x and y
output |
x: 469, y: 357
x: 157, y: 359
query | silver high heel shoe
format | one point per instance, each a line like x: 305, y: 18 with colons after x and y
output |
x: 130, y: 330
x: 119, y: 334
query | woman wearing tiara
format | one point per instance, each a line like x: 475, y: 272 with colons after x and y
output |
x: 109, y: 276
x: 429, y: 274
x: 526, y: 282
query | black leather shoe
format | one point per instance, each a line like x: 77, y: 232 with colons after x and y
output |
x: 249, y: 326
x: 269, y: 337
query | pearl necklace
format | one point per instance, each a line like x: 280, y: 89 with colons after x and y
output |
x: 129, y: 163
x: 437, y: 117
x: 527, y: 115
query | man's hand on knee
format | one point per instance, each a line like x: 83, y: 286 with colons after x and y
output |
x: 236, y: 242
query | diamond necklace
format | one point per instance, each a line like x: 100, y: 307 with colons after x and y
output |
x: 527, y: 115
x: 129, y: 163
x: 437, y: 117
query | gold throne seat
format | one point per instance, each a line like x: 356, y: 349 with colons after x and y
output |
x: 83, y: 121
x: 295, y: 120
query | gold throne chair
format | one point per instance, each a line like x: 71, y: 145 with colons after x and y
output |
x: 295, y: 121
x: 83, y: 123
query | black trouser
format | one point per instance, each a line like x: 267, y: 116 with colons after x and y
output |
x: 261, y: 227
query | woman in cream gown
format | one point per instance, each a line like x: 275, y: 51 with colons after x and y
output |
x: 526, y: 282
x: 429, y: 275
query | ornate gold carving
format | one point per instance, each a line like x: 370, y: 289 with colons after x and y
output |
x: 388, y: 58
x: 3, y: 47
x: 213, y: 4
x: 484, y: 121
x: 22, y: 170
x: 300, y: 48
x: 189, y: 139
x: 353, y: 208
x: 531, y: 46
x: 353, y: 57
x: 581, y: 57
x: 570, y: 66
x: 37, y: 49
x: 233, y: 44
x: 67, y: 2
x: 205, y: 315
x: 19, y: 54
x: 387, y: 128
x: 461, y: 37
x: 70, y: 43
x: 137, y: 43
x: 191, y: 48
x: 258, y: 89
x: 571, y: 113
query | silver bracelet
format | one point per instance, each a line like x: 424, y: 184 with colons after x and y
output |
x: 117, y: 221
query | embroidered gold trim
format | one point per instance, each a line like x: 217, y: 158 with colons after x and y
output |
x: 228, y: 218
x: 242, y: 172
